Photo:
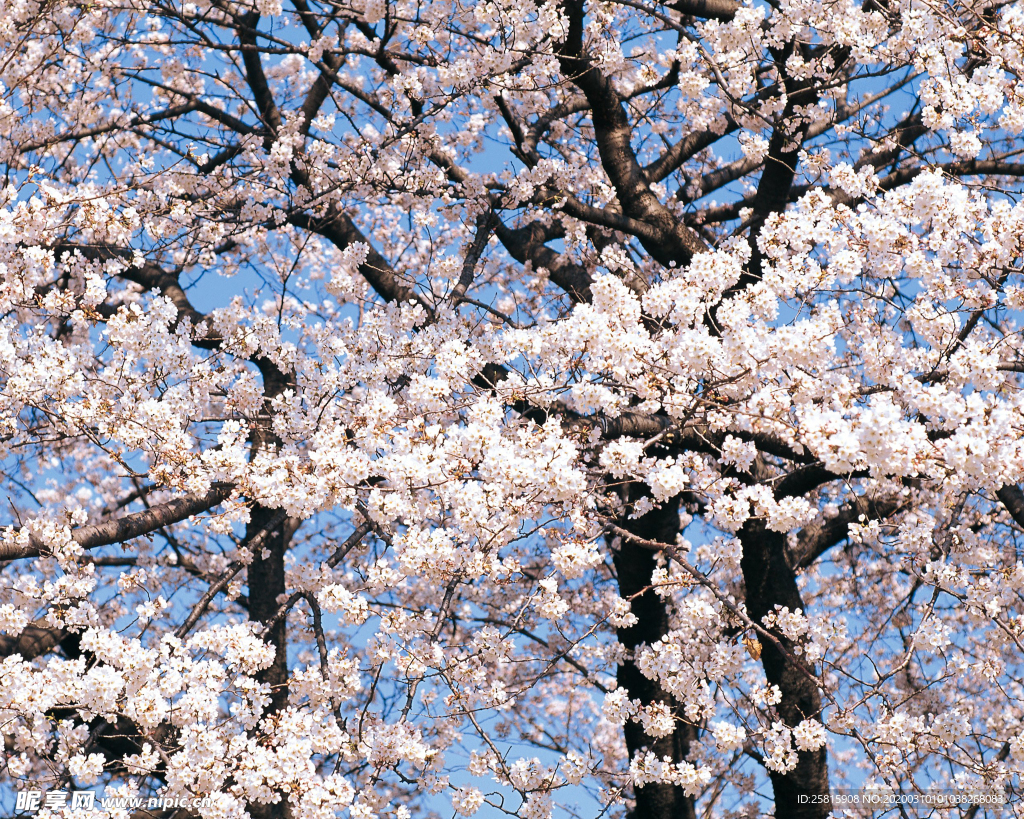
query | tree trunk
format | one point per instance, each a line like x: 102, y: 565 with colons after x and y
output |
x: 266, y: 575
x: 634, y: 565
x: 770, y: 581
x: 266, y: 585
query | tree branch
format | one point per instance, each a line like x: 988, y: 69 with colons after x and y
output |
x: 131, y: 526
x: 818, y: 537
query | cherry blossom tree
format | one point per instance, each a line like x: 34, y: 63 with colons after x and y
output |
x: 532, y: 407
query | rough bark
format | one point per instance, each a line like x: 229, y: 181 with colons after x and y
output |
x: 770, y: 582
x: 34, y: 641
x: 266, y: 573
x: 816, y: 538
x: 665, y: 238
x: 122, y: 529
x: 1013, y: 499
x: 634, y: 565
x: 266, y: 584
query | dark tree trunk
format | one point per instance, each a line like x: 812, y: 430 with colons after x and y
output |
x: 266, y: 584
x: 634, y: 565
x: 770, y: 581
x: 266, y: 575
